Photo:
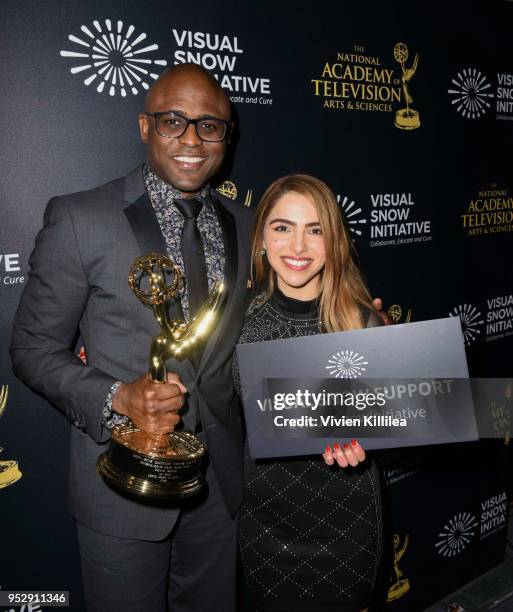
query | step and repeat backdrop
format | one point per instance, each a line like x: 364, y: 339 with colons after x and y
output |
x: 404, y: 109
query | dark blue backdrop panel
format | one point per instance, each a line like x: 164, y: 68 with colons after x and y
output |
x: 316, y: 88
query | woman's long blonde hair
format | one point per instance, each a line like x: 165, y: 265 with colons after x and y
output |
x: 343, y: 290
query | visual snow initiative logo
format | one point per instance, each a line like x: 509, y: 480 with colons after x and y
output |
x: 113, y: 59
x: 471, y: 93
x: 456, y: 534
x: 471, y: 320
x: 351, y: 214
x: 346, y: 364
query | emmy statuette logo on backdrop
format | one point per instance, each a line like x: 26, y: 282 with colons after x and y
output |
x: 9, y: 470
x: 229, y: 190
x: 401, y: 585
x: 406, y: 118
x: 395, y: 312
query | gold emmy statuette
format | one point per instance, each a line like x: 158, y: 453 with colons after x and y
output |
x: 152, y: 465
x: 401, y: 585
x: 406, y: 118
x: 9, y: 470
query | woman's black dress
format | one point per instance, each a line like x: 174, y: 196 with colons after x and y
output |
x: 311, y: 534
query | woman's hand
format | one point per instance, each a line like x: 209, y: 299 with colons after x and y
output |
x: 349, y: 454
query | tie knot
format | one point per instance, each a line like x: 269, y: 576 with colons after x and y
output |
x: 189, y: 207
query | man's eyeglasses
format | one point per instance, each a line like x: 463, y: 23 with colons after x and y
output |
x: 172, y: 125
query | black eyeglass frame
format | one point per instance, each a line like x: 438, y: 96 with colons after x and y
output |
x: 194, y: 122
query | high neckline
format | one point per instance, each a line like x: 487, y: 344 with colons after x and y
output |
x: 278, y: 298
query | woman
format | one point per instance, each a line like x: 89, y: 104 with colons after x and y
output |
x: 310, y: 531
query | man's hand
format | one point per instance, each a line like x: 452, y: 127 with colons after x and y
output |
x: 349, y: 454
x: 378, y: 307
x: 151, y: 406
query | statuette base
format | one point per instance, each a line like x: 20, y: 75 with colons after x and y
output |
x: 151, y: 466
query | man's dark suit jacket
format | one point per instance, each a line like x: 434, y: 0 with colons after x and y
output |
x: 78, y: 280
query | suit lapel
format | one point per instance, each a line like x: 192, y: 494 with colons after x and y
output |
x: 231, y: 269
x: 144, y: 224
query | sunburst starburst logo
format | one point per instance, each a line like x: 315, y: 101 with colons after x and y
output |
x: 346, y: 364
x: 456, y: 534
x: 471, y: 320
x: 352, y: 214
x: 113, y: 58
x: 471, y: 93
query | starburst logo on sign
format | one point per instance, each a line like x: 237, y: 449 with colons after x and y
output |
x: 346, y: 364
x: 471, y: 93
x: 113, y: 59
x: 456, y: 534
x: 351, y: 214
x: 470, y: 318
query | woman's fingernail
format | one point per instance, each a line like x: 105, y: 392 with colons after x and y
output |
x: 336, y: 446
x: 328, y: 450
x: 354, y: 442
x: 346, y: 446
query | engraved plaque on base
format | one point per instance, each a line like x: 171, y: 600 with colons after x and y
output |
x: 162, y: 466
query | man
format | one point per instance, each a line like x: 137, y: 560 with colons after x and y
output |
x: 134, y: 554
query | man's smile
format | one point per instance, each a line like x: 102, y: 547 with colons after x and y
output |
x: 189, y: 162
